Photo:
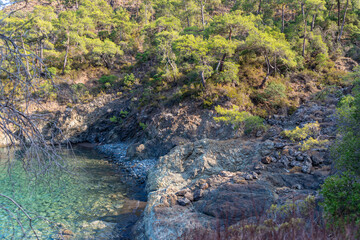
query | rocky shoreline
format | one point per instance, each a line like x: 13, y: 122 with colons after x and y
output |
x: 206, y: 171
x: 138, y: 169
x: 199, y: 183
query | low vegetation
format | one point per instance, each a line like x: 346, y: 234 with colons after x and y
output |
x: 342, y: 191
x: 240, y: 119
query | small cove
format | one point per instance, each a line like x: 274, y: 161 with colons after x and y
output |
x: 97, y: 200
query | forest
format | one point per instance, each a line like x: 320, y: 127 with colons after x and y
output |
x: 245, y: 60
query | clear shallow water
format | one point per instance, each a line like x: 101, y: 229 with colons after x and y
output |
x: 95, y: 201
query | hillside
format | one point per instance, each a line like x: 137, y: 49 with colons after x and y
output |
x: 253, y: 100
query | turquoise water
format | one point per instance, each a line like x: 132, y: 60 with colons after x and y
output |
x: 94, y: 201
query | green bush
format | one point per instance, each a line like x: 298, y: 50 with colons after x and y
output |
x: 124, y: 114
x: 115, y: 119
x: 47, y: 90
x: 52, y: 70
x: 143, y: 126
x: 312, y: 143
x: 298, y: 134
x: 342, y: 198
x: 275, y: 94
x: 342, y: 192
x: 238, y: 119
x: 107, y: 81
x: 129, y: 80
x: 346, y: 150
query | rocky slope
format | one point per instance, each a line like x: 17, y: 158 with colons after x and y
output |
x: 198, y: 183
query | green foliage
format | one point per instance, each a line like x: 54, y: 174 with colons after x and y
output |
x: 342, y: 198
x: 298, y: 134
x: 129, y: 80
x: 52, y: 70
x: 107, y: 81
x: 47, y: 90
x: 124, y: 114
x: 274, y: 94
x: 115, y: 119
x: 311, y: 143
x: 346, y: 150
x: 254, y: 124
x: 230, y: 73
x: 119, y: 120
x: 238, y: 119
x: 342, y: 191
x: 143, y: 126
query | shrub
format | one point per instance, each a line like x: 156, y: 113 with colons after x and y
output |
x: 124, y: 114
x: 346, y: 150
x: 52, y: 70
x: 274, y: 94
x: 254, y: 123
x: 129, y: 80
x: 115, y: 119
x: 47, y: 90
x: 107, y: 81
x: 342, y: 198
x: 342, y: 192
x: 238, y: 119
x: 298, y: 134
x: 143, y: 126
x: 312, y: 143
x: 230, y: 73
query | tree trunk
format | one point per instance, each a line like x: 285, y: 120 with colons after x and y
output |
x: 343, y: 23
x: 338, y: 6
x: 330, y: 9
x: 313, y: 22
x: 112, y: 4
x: 203, y: 79
x: 187, y: 15
x: 259, y: 8
x: 220, y: 65
x: 282, y: 18
x: 41, y: 54
x: 304, y: 41
x: 66, y: 53
x: 26, y: 59
x: 202, y: 14
x: 268, y: 73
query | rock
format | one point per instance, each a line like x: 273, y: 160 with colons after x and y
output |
x: 297, y: 186
x: 232, y: 201
x: 259, y: 167
x: 299, y: 158
x: 295, y: 164
x: 316, y: 158
x: 169, y: 200
x: 204, y: 186
x: 199, y: 193
x: 292, y: 152
x: 226, y: 174
x: 284, y: 160
x: 266, y: 160
x: 67, y: 232
x: 183, y: 201
x: 279, y: 145
x: 249, y: 177
x: 182, y: 192
x: 306, y: 168
x: 190, y: 196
